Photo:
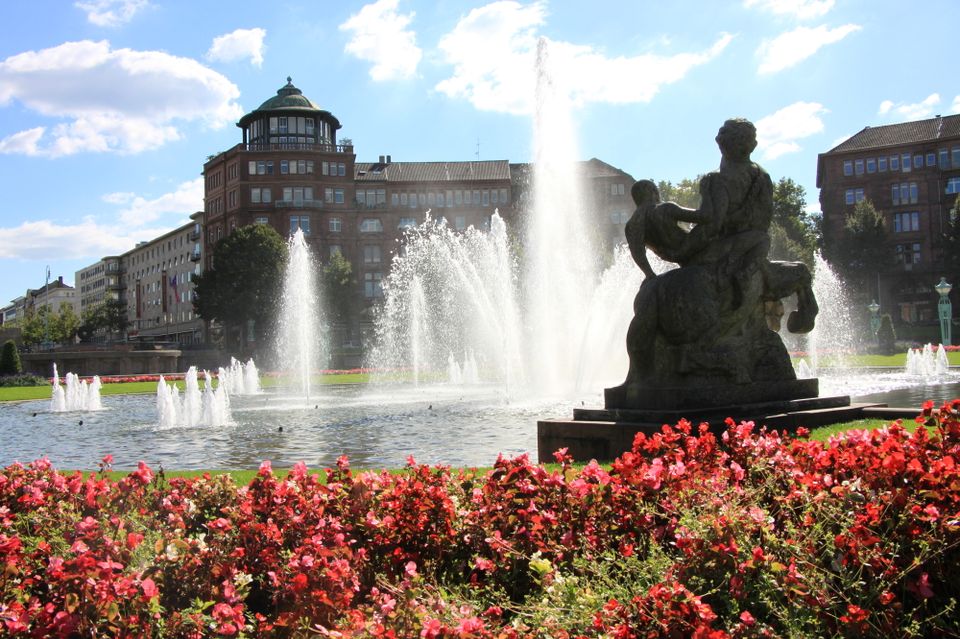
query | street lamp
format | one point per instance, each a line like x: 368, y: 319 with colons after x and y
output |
x: 874, y: 309
x: 946, y: 310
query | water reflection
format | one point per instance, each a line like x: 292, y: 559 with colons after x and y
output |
x: 374, y: 426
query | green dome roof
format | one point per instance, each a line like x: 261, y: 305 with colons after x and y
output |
x: 288, y: 97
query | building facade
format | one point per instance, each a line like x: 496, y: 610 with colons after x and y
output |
x: 910, y: 172
x: 98, y: 283
x: 158, y: 284
x: 291, y: 172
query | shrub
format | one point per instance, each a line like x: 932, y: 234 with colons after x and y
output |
x: 10, y: 359
x: 24, y: 379
x: 886, y: 338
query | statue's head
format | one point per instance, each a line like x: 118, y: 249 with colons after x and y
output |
x: 737, y: 138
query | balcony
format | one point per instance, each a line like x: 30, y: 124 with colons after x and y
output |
x: 298, y: 204
x: 195, y: 256
x: 193, y: 235
x: 316, y: 148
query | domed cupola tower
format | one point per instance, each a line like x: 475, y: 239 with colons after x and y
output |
x: 288, y: 120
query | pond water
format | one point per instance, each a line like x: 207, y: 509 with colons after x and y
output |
x: 375, y: 426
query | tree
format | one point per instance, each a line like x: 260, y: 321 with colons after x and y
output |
x: 42, y: 325
x: 793, y: 231
x: 339, y: 288
x: 950, y: 242
x: 244, y: 283
x: 685, y: 193
x: 860, y: 251
x: 109, y: 317
x: 10, y: 359
x: 65, y: 324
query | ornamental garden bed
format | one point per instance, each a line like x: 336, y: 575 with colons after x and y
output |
x: 748, y: 534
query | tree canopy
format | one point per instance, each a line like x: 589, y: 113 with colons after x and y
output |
x: 245, y: 281
x: 43, y: 325
x: 109, y: 317
x: 859, y: 252
x: 794, y: 233
x: 339, y: 288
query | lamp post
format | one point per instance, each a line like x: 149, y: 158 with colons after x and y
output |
x: 945, y: 310
x: 874, y: 309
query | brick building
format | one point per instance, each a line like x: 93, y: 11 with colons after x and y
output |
x: 290, y: 171
x: 911, y: 173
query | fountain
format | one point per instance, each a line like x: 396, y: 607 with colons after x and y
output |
x: 78, y: 395
x: 301, y: 343
x: 197, y: 407
x: 240, y: 379
x: 543, y: 325
x: 927, y: 363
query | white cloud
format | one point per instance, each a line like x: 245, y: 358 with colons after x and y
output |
x: 117, y: 100
x: 40, y: 239
x: 802, y: 9
x: 111, y: 13
x: 916, y: 111
x: 238, y: 45
x: 777, y: 133
x: 792, y: 47
x: 379, y: 35
x: 184, y: 201
x: 493, y: 51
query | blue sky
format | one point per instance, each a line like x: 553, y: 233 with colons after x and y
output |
x: 108, y: 108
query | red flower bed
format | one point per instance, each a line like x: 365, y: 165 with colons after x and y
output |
x: 688, y: 535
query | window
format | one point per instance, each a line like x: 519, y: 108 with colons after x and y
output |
x: 882, y: 164
x: 259, y: 194
x: 441, y: 201
x: 458, y: 197
x: 848, y: 167
x: 371, y: 225
x: 328, y: 195
x: 849, y: 197
x: 285, y: 167
x: 858, y: 167
x: 894, y: 194
x: 476, y: 198
x: 413, y: 200
x: 931, y: 159
x: 905, y: 162
x: 894, y: 162
x: 422, y: 197
x: 394, y: 200
x: 954, y: 157
x: 486, y: 197
x: 871, y: 165
x: 431, y: 200
x: 371, y: 254
x: 906, y: 222
x: 494, y: 196
x: 338, y: 196
x: 918, y: 161
x: 261, y: 220
x: 301, y: 222
x: 403, y: 199
x: 914, y: 194
x: 908, y: 254
x: 325, y: 168
x: 466, y: 197
x: 361, y: 198
x: 953, y: 185
x: 406, y: 223
x: 334, y: 225
x: 341, y: 169
x: 460, y: 222
x: 252, y: 167
x: 944, y: 159
x: 232, y: 198
x: 858, y: 195
x: 371, y: 285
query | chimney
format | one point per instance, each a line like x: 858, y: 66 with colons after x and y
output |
x: 60, y: 279
x: 388, y: 159
x: 381, y: 159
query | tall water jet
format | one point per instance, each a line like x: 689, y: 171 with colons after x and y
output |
x: 561, y: 268
x: 926, y: 362
x: 301, y: 338
x: 417, y: 327
x: 78, y: 394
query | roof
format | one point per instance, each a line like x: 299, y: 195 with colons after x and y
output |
x: 873, y: 137
x: 289, y: 98
x: 432, y: 171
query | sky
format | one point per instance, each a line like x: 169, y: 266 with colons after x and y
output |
x: 109, y: 108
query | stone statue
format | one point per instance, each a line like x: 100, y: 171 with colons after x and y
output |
x: 711, y: 322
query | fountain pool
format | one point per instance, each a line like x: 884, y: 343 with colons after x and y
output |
x: 376, y: 426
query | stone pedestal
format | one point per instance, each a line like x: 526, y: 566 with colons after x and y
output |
x: 604, y: 434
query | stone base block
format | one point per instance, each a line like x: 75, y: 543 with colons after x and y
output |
x: 605, y: 434
x: 644, y: 397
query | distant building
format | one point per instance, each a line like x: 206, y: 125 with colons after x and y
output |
x: 54, y: 295
x: 157, y: 280
x: 98, y: 283
x: 911, y: 173
x: 290, y: 171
